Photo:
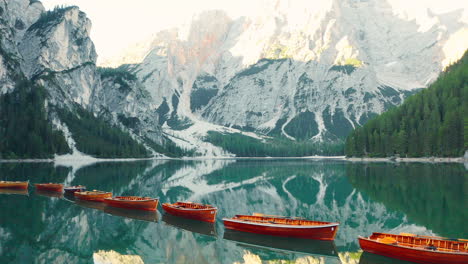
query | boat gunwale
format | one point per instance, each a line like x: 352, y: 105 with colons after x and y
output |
x: 414, y: 248
x: 122, y: 200
x: 93, y: 193
x: 48, y: 184
x: 76, y: 187
x: 330, y: 224
x: 189, y: 209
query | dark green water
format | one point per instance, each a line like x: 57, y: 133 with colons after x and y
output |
x: 364, y: 198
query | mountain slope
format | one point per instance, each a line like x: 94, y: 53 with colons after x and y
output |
x: 291, y: 74
x: 47, y: 60
x: 309, y: 75
x: 429, y: 123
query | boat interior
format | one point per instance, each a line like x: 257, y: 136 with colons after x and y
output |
x: 278, y: 220
x: 192, y: 205
x: 133, y: 198
x: 92, y: 192
x: 422, y: 242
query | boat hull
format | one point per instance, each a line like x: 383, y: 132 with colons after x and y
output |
x: 147, y: 205
x: 205, y: 215
x: 49, y: 187
x: 325, y: 232
x: 14, y: 185
x: 412, y: 254
x: 93, y: 197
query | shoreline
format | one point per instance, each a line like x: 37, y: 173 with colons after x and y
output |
x: 421, y: 159
x: 342, y: 158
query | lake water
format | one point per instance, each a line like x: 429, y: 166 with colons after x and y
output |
x: 426, y: 199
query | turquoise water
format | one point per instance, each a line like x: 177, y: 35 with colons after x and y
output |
x: 378, y: 197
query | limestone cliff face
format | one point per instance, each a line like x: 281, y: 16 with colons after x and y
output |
x: 15, y: 18
x: 331, y: 65
x: 54, y: 49
x: 58, y: 53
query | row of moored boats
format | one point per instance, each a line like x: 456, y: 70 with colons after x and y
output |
x: 410, y: 247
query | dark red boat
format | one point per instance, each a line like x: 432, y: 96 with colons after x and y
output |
x: 97, y: 196
x: 196, y: 211
x: 50, y: 187
x: 133, y: 202
x: 282, y: 226
x: 73, y: 189
x: 418, y: 249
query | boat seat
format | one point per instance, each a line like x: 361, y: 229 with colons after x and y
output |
x: 431, y: 247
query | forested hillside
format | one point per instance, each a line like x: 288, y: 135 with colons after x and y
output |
x: 25, y: 131
x: 432, y: 122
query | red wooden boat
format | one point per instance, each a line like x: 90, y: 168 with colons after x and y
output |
x: 51, y: 187
x: 94, y: 195
x: 419, y: 249
x: 196, y: 211
x: 14, y: 184
x: 133, y: 202
x: 73, y: 189
x: 282, y: 226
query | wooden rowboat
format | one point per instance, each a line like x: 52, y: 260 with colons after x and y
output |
x: 14, y: 184
x: 133, y: 202
x: 51, y: 187
x: 94, y: 195
x: 73, y: 189
x: 196, y: 211
x: 282, y: 226
x: 418, y: 249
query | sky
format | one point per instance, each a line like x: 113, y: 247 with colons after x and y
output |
x: 118, y: 24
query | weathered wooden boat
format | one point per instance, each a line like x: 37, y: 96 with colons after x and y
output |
x: 47, y: 193
x: 73, y: 189
x: 14, y: 191
x: 93, y: 195
x: 200, y: 227
x: 282, y: 226
x: 133, y: 202
x: 196, y: 211
x: 418, y: 249
x: 14, y: 184
x: 51, y: 187
x: 149, y: 216
x: 283, y: 244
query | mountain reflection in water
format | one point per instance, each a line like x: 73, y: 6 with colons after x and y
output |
x: 364, y: 198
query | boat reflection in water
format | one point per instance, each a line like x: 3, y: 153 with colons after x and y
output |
x: 199, y: 227
x: 51, y: 194
x: 14, y: 191
x: 69, y: 197
x: 314, y: 247
x: 91, y: 204
x: 149, y: 216
x: 369, y: 258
